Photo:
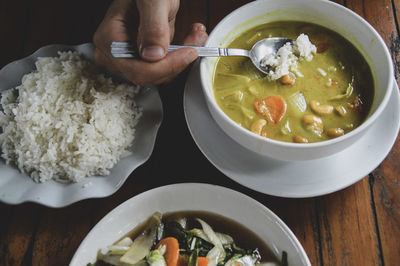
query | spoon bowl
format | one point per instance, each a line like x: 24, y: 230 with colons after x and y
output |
x: 265, y: 48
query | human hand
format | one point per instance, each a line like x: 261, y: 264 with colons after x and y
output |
x: 155, y: 31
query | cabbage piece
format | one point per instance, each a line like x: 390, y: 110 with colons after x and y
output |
x: 217, y: 253
x: 253, y: 90
x: 235, y: 95
x: 228, y: 81
x: 286, y: 130
x: 248, y: 113
x: 297, y: 102
x: 120, y: 247
x: 142, y: 244
x: 224, y: 238
x: 182, y: 221
x: 246, y: 260
x: 117, y: 250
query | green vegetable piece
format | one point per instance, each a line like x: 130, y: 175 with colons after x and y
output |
x: 193, y: 259
x: 348, y: 93
x: 156, y: 258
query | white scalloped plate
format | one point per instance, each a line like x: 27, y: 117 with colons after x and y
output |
x: 16, y: 188
x: 192, y: 197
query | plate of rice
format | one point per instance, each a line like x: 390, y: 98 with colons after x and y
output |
x: 69, y: 129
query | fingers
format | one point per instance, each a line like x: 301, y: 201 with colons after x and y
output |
x: 154, y: 30
x: 141, y: 72
x: 197, y: 35
x: 170, y: 66
x: 118, y: 26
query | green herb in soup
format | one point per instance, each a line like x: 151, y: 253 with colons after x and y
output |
x: 189, y: 239
x: 319, y: 99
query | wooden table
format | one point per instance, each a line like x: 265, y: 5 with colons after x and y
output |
x: 359, y: 225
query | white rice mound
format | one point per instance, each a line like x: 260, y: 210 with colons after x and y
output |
x: 286, y: 58
x: 66, y: 121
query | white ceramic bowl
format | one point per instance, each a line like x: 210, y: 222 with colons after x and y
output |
x: 194, y: 197
x: 16, y: 187
x: 325, y: 13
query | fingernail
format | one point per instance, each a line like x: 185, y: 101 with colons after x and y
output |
x: 199, y: 27
x: 153, y: 52
x: 191, y: 56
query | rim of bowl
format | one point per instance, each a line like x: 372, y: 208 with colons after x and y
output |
x: 367, y: 123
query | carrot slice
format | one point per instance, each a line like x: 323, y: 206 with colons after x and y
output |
x: 202, y: 261
x: 276, y: 108
x: 171, y: 255
x: 273, y: 107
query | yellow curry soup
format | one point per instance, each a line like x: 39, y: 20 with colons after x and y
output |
x: 324, y: 98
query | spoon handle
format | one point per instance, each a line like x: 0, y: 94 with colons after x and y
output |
x: 126, y: 50
x: 213, y: 51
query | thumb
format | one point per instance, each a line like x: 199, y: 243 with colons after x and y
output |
x: 153, y: 35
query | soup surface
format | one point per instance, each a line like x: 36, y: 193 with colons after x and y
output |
x: 194, y: 238
x: 322, y: 99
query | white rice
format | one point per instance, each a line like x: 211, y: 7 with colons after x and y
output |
x: 66, y: 121
x: 286, y: 58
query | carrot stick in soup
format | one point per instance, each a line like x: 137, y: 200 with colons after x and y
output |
x: 202, y: 261
x: 171, y: 255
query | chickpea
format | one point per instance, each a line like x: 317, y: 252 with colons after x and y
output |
x: 335, y: 132
x: 314, y: 124
x: 287, y: 80
x: 300, y: 139
x: 258, y: 126
x: 319, y: 109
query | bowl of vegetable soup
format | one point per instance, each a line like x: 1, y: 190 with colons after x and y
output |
x: 187, y: 225
x: 322, y: 91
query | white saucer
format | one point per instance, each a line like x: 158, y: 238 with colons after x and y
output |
x: 281, y: 178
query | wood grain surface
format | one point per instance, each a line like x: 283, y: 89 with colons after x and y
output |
x: 359, y: 225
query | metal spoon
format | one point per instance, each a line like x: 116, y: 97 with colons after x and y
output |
x: 260, y: 50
